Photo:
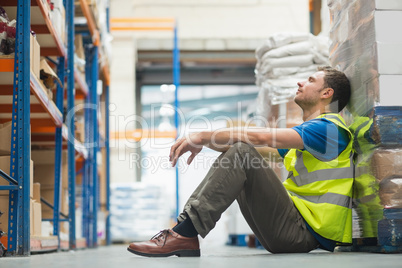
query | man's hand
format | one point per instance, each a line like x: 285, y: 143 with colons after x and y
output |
x: 191, y: 143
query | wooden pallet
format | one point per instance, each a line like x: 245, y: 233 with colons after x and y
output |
x: 42, y: 244
x: 81, y: 243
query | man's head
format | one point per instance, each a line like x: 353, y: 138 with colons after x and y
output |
x: 327, y: 86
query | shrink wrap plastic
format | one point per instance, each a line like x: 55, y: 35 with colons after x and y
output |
x: 389, y: 233
x: 283, y: 60
x: 391, y: 193
x: 367, y: 208
x: 137, y: 210
x: 365, y: 46
x: 387, y: 168
x: 387, y: 163
x: 378, y: 180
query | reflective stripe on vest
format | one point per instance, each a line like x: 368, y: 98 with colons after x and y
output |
x: 330, y: 198
x: 306, y: 177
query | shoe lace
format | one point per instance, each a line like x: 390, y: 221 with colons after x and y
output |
x: 160, y: 235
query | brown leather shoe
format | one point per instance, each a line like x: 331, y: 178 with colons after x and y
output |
x: 167, y: 243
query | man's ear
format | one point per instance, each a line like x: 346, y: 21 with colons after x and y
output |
x: 327, y: 93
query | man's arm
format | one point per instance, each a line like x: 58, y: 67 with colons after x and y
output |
x: 221, y: 139
x: 280, y: 138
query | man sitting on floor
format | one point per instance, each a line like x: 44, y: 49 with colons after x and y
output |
x: 311, y: 209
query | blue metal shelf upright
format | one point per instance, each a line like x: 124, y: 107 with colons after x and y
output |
x: 70, y: 121
x: 19, y: 201
x: 91, y: 179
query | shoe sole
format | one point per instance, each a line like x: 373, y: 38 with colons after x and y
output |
x: 179, y: 253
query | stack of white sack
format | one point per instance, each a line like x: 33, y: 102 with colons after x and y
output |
x: 282, y: 61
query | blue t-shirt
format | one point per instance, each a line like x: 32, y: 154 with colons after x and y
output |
x: 324, y: 140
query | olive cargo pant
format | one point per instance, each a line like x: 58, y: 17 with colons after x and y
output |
x: 242, y: 174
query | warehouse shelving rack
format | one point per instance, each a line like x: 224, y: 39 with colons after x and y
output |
x: 91, y: 187
x: 28, y: 110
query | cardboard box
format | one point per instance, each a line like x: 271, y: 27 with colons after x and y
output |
x: 44, y: 168
x: 387, y: 163
x: 35, y: 56
x: 36, y: 192
x: 5, y: 166
x: 4, y: 210
x: 390, y: 192
x: 5, y: 138
x: 48, y: 70
x: 48, y: 195
x: 44, y: 174
x: 31, y: 217
x: 79, y: 46
x: 37, y: 219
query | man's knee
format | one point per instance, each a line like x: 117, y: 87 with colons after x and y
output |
x: 240, y: 149
x: 243, y: 147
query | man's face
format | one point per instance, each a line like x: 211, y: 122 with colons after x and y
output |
x: 309, y: 91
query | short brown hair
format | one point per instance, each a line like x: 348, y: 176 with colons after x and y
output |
x: 338, y: 81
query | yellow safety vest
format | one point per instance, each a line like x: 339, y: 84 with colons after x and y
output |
x: 322, y: 190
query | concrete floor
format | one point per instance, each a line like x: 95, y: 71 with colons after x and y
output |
x: 211, y: 257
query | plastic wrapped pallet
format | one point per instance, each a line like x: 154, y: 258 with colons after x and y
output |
x: 366, y: 47
x: 367, y: 208
x: 367, y: 50
x: 137, y: 211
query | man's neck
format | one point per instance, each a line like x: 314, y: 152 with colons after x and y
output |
x: 313, y: 113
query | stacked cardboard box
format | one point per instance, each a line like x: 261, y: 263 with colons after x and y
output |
x: 5, y: 134
x: 49, y: 78
x: 44, y: 174
x: 35, y: 56
x: 36, y: 215
x: 5, y: 150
